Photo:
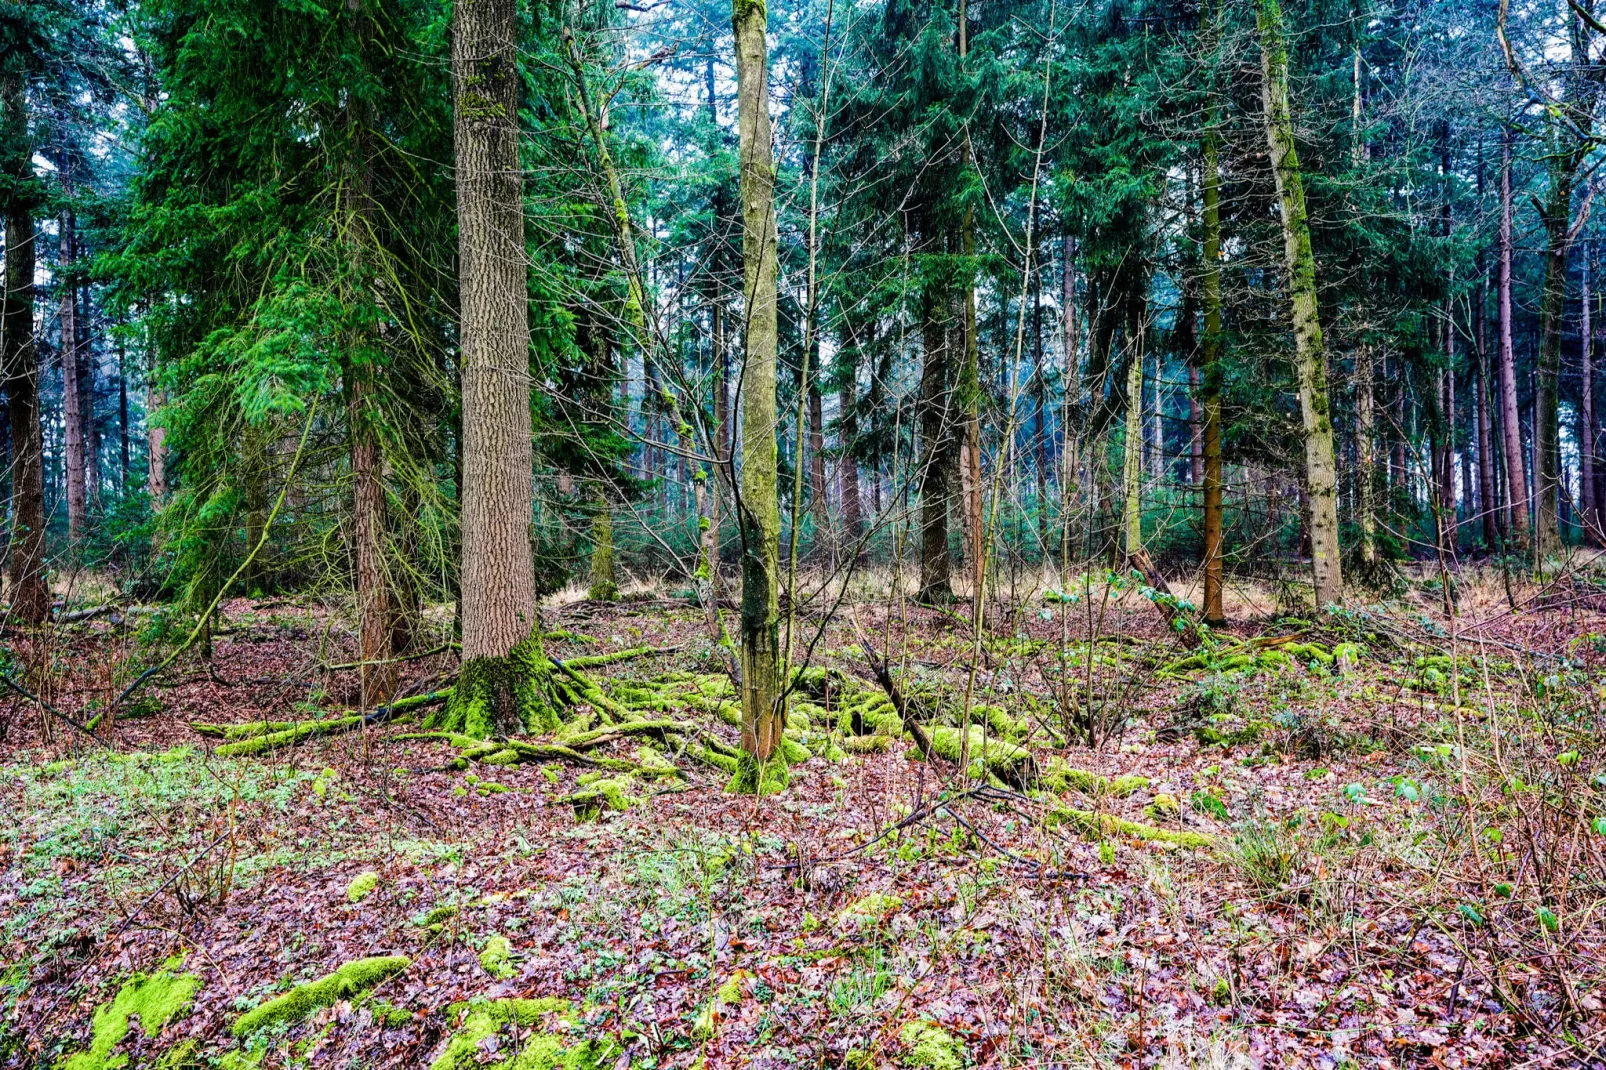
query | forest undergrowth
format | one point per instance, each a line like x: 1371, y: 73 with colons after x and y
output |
x: 1372, y: 836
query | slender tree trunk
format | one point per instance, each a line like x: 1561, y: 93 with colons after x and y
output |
x: 936, y: 463
x: 1516, y: 474
x: 763, y: 704
x: 1210, y: 367
x: 30, y: 597
x: 1132, y: 454
x: 499, y: 688
x: 1587, y: 517
x: 819, y: 503
x: 1547, y: 382
x: 155, y: 447
x: 72, y: 402
x: 122, y: 416
x: 722, y: 457
x: 88, y: 374
x: 1321, y: 474
x: 1366, y: 455
x: 1195, y: 429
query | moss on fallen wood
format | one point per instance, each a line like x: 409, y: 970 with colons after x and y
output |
x: 352, y: 979
x: 155, y: 998
x: 1058, y: 776
x: 486, y: 1019
x: 989, y: 755
x: 1103, y: 825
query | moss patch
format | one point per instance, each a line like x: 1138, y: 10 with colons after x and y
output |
x: 362, y: 886
x: 484, y: 1019
x: 871, y: 910
x: 497, y: 696
x: 497, y: 958
x: 1101, y: 825
x: 155, y: 998
x: 929, y: 1045
x: 350, y: 980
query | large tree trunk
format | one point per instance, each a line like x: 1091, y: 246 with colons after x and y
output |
x: 1321, y: 474
x: 1516, y: 473
x: 72, y: 402
x: 499, y: 689
x: 30, y: 597
x: 763, y: 704
x: 1210, y: 367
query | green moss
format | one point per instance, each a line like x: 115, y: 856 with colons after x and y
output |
x: 497, y: 958
x: 794, y: 752
x: 1102, y: 825
x: 273, y: 740
x: 362, y: 886
x: 989, y: 755
x: 388, y: 1015
x: 929, y: 1045
x: 494, y: 696
x: 597, y: 794
x: 1059, y: 777
x: 154, y: 998
x: 867, y: 744
x: 870, y: 910
x: 542, y: 1051
x: 751, y: 779
x: 349, y: 980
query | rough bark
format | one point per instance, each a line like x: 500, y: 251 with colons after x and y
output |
x: 1587, y: 517
x: 1132, y: 457
x: 763, y: 706
x: 936, y: 454
x: 1516, y: 473
x: 1210, y: 363
x: 1321, y: 475
x: 499, y: 689
x: 1547, y: 381
x: 1366, y: 455
x: 71, y: 380
x: 30, y: 597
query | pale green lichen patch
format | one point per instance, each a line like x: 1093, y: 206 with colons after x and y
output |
x: 559, y: 1049
x: 362, y: 886
x: 497, y: 958
x: 352, y: 979
x: 930, y: 1046
x: 155, y: 999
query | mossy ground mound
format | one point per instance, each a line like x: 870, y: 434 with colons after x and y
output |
x: 352, y: 979
x: 560, y: 1048
x: 155, y: 999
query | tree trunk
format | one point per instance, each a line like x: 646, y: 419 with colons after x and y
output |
x: 1516, y: 473
x: 1366, y: 455
x: 72, y: 402
x: 88, y: 372
x: 122, y: 417
x: 1195, y: 429
x: 1547, y: 381
x: 499, y: 688
x: 1321, y: 475
x: 30, y: 597
x: 936, y: 460
x: 848, y: 433
x: 1132, y: 455
x: 1210, y: 366
x: 1587, y: 516
x: 819, y: 503
x: 763, y: 702
x: 155, y: 447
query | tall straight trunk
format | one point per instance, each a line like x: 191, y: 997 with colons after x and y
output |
x: 1210, y: 374
x: 88, y: 373
x: 969, y: 392
x: 1157, y: 423
x: 848, y: 433
x: 30, y: 597
x: 936, y: 453
x: 818, y: 501
x: 1040, y: 443
x: 1516, y: 473
x: 763, y: 704
x: 122, y: 416
x: 375, y: 615
x: 1195, y: 428
x: 1132, y: 455
x: 1547, y: 380
x: 1587, y: 516
x: 1366, y: 454
x: 722, y: 454
x: 499, y: 688
x: 1321, y: 473
x: 72, y: 401
x: 1488, y: 482
x: 155, y: 446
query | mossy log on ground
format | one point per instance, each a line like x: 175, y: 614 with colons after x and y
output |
x: 1105, y: 825
x: 990, y: 757
x: 1058, y: 776
x: 561, y: 1049
x: 155, y: 999
x: 258, y: 737
x: 352, y: 979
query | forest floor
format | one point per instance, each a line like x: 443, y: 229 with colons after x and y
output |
x: 1398, y: 859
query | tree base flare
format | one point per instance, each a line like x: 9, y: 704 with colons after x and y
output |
x: 503, y: 696
x: 753, y: 777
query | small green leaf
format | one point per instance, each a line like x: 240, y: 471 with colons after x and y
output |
x: 1548, y: 919
x: 1471, y: 913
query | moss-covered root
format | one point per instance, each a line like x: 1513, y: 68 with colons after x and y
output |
x: 503, y: 696
x: 989, y: 756
x: 557, y: 1050
x: 1057, y: 776
x: 259, y: 737
x: 1104, y: 825
x: 156, y: 998
x: 599, y: 793
x: 352, y: 979
x: 753, y: 777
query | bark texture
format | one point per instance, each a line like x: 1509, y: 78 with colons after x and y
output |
x: 499, y: 690
x: 1516, y: 473
x: 72, y: 401
x: 1210, y: 369
x: 763, y: 711
x: 1321, y: 474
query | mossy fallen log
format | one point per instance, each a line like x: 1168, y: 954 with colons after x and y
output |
x: 352, y: 979
x: 990, y: 757
x: 562, y: 1048
x: 1107, y: 825
x: 259, y: 737
x: 1058, y: 776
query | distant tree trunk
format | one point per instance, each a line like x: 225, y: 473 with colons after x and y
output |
x: 722, y: 454
x: 1516, y: 474
x: 88, y: 373
x: 122, y: 417
x: 969, y: 388
x: 763, y: 702
x: 1195, y: 429
x: 1366, y: 454
x: 1132, y: 455
x: 1210, y: 366
x: 1547, y: 381
x: 30, y: 597
x: 1157, y: 423
x: 1321, y: 474
x: 818, y: 501
x: 72, y: 402
x: 499, y: 688
x: 936, y: 455
x: 1587, y: 517
x: 595, y: 340
x: 155, y: 447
